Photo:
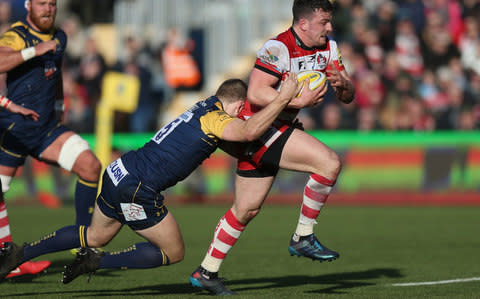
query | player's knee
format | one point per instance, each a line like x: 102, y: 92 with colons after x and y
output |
x: 96, y: 243
x: 96, y: 240
x: 331, y: 168
x: 336, y: 164
x: 76, y: 156
x: 88, y: 167
x: 176, y: 255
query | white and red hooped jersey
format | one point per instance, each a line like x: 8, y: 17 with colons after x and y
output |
x: 287, y: 53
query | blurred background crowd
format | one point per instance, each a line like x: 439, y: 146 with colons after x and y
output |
x: 415, y: 64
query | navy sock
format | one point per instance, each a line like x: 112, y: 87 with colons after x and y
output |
x: 85, y: 194
x: 138, y: 256
x: 65, y: 238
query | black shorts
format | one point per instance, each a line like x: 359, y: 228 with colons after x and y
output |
x: 266, y: 164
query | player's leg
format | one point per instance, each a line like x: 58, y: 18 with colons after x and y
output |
x: 165, y: 247
x: 305, y: 153
x: 6, y: 175
x: 29, y: 267
x: 88, y: 259
x: 250, y: 193
x: 72, y: 153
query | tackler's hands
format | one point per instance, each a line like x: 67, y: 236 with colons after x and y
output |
x: 14, y: 108
x: 308, y: 97
x: 290, y: 87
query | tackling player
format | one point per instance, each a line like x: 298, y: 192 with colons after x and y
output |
x: 304, y: 46
x: 132, y: 186
x: 31, y: 54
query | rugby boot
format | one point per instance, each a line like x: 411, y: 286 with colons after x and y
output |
x: 310, y: 247
x: 30, y: 267
x: 86, y: 262
x: 209, y: 281
x: 11, y: 256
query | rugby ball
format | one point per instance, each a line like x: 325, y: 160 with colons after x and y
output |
x: 316, y: 79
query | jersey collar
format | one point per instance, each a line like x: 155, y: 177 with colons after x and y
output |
x: 300, y: 43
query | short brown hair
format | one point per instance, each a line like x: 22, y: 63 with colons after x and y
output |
x: 232, y: 90
x: 303, y: 8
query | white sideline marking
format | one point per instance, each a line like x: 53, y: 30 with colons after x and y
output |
x: 435, y: 282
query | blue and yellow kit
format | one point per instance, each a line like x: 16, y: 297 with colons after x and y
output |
x: 32, y: 84
x: 173, y: 153
x: 178, y: 148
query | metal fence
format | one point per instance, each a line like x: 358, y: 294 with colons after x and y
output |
x: 232, y: 28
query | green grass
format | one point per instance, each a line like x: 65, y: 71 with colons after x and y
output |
x: 379, y: 246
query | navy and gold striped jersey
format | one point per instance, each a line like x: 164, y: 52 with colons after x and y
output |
x: 178, y: 148
x: 32, y: 84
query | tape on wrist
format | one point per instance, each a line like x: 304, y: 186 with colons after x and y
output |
x: 28, y: 53
x: 4, y: 102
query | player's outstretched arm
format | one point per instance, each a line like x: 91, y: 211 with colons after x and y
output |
x: 255, y: 126
x: 9, y: 58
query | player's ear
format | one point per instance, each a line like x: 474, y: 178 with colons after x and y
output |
x: 303, y: 24
x: 238, y: 107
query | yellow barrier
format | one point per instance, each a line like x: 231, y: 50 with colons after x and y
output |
x: 119, y: 93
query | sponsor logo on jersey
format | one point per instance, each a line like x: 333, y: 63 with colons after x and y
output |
x: 116, y: 171
x: 133, y: 211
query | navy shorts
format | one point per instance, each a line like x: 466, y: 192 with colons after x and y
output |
x: 17, y: 142
x: 131, y: 202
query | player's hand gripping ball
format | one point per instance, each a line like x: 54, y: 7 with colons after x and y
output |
x: 316, y: 79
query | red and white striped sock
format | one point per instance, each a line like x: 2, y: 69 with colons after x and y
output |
x: 226, y: 235
x: 4, y: 225
x: 314, y: 197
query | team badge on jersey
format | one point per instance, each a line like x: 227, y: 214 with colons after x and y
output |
x: 116, y: 171
x: 49, y: 69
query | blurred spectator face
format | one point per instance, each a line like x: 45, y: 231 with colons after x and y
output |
x: 455, y: 94
x: 331, y: 117
x: 466, y: 121
x: 386, y: 10
x: 41, y: 14
x: 5, y: 12
x: 366, y: 118
x: 404, y: 84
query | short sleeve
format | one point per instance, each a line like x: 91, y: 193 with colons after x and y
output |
x: 274, y: 56
x: 12, y: 40
x: 214, y: 123
x: 336, y: 56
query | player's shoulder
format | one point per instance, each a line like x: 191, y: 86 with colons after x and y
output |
x: 18, y: 28
x: 287, y: 38
x: 15, y: 36
x: 59, y: 33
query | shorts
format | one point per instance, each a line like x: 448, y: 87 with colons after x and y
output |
x: 131, y: 202
x: 17, y: 142
x: 262, y: 157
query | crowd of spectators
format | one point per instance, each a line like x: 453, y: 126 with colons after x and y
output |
x: 415, y: 64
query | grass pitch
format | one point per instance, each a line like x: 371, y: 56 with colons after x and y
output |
x: 379, y: 247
